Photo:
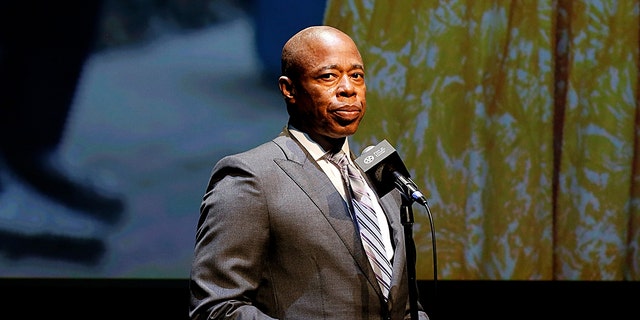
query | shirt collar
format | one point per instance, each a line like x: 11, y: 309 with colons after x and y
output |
x: 316, y: 151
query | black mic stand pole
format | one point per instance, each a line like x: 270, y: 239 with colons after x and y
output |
x: 406, y: 216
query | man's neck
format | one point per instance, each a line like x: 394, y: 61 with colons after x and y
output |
x: 327, y: 143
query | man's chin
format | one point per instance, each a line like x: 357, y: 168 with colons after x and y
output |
x: 349, y: 130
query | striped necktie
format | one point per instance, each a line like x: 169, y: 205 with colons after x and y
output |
x: 366, y: 220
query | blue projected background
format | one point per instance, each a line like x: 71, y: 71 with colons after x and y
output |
x: 159, y: 101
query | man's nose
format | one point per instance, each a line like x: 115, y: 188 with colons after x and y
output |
x: 345, y: 86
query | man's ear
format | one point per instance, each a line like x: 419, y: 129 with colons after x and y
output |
x: 286, y: 88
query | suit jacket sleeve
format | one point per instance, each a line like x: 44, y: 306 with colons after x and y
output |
x: 230, y: 244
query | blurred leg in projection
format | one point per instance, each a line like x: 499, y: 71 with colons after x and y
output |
x: 43, y: 47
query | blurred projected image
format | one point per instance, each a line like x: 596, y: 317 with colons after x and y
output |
x: 112, y: 116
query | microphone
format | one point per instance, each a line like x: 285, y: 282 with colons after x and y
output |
x: 383, y: 167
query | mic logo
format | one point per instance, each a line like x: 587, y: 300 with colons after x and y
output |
x: 376, y: 154
x: 368, y: 159
x: 379, y: 152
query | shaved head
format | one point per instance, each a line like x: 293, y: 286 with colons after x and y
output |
x: 295, y: 53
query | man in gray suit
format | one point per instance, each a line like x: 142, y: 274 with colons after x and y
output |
x: 276, y: 238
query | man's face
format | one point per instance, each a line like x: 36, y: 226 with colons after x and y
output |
x: 329, y: 95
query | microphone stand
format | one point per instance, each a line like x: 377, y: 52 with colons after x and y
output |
x: 406, y: 216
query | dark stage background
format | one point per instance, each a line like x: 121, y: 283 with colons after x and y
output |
x: 445, y: 300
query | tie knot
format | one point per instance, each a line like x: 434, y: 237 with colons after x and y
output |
x: 339, y: 158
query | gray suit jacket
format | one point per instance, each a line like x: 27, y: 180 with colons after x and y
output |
x: 275, y: 240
